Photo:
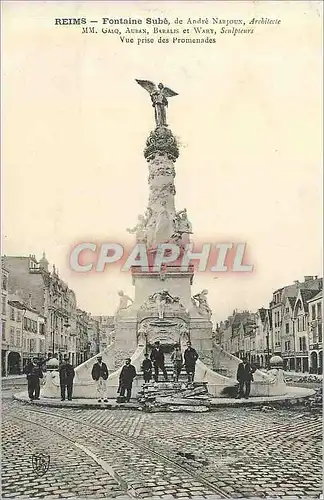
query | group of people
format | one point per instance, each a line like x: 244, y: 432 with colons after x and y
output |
x: 156, y: 362
x: 34, y: 372
x: 100, y: 373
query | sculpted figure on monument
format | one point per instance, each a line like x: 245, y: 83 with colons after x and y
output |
x: 159, y: 100
x: 139, y: 229
x: 184, y: 331
x: 164, y: 225
x: 203, y: 306
x: 161, y: 298
x: 182, y: 227
x: 123, y: 301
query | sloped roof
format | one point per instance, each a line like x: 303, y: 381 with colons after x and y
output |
x: 306, y: 295
x: 318, y: 296
x: 240, y: 318
x: 292, y: 301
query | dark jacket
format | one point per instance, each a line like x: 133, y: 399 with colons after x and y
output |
x: 190, y: 356
x: 147, y: 365
x: 127, y: 376
x: 66, y: 374
x: 244, y: 372
x: 157, y: 356
x: 33, y: 372
x: 99, y: 371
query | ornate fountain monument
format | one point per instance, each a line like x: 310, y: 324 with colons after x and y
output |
x: 163, y: 308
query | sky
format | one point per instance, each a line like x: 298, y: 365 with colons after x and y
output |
x: 247, y: 118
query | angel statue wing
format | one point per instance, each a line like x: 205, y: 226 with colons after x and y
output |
x: 168, y: 92
x: 147, y: 85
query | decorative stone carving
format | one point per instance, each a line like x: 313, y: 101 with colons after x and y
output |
x: 123, y: 301
x: 203, y: 307
x: 161, y: 192
x: 163, y: 272
x: 160, y: 168
x: 139, y: 230
x: 182, y: 223
x: 182, y: 228
x: 164, y: 228
x: 163, y: 301
x: 161, y: 142
x: 166, y: 335
x: 184, y: 331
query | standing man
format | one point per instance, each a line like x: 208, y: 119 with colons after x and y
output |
x: 177, y: 360
x: 244, y: 377
x: 157, y: 358
x: 34, y: 374
x: 100, y: 374
x: 126, y: 378
x: 190, y: 358
x: 67, y: 373
x: 147, y: 368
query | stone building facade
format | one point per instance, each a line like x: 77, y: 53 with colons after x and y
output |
x: 83, y: 344
x: 315, y: 318
x: 291, y: 327
x: 101, y: 332
x: 24, y: 335
x: 50, y: 297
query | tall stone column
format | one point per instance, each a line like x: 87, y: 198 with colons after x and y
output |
x: 161, y: 152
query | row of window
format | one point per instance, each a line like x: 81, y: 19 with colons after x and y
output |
x: 301, y: 324
x: 319, y: 311
x: 31, y: 326
x: 277, y: 318
x: 29, y: 345
x: 318, y: 333
x: 302, y: 344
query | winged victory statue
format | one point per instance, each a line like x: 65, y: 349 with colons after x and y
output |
x: 159, y: 100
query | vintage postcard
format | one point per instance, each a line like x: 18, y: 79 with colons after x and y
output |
x: 161, y: 253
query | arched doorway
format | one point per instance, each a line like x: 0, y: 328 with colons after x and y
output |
x: 313, y: 362
x: 14, y: 363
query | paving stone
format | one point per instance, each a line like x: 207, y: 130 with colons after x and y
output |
x: 275, y: 468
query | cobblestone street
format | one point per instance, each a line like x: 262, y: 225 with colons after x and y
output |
x: 229, y: 453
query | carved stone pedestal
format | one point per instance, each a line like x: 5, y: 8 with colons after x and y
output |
x: 125, y: 339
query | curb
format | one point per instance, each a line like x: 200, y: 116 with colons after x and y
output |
x: 294, y: 399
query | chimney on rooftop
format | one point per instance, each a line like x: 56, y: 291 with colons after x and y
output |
x: 308, y: 278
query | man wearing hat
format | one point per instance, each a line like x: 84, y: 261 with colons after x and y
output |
x: 100, y: 375
x: 157, y: 358
x: 126, y: 378
x: 67, y: 373
x: 190, y: 359
x: 34, y: 374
